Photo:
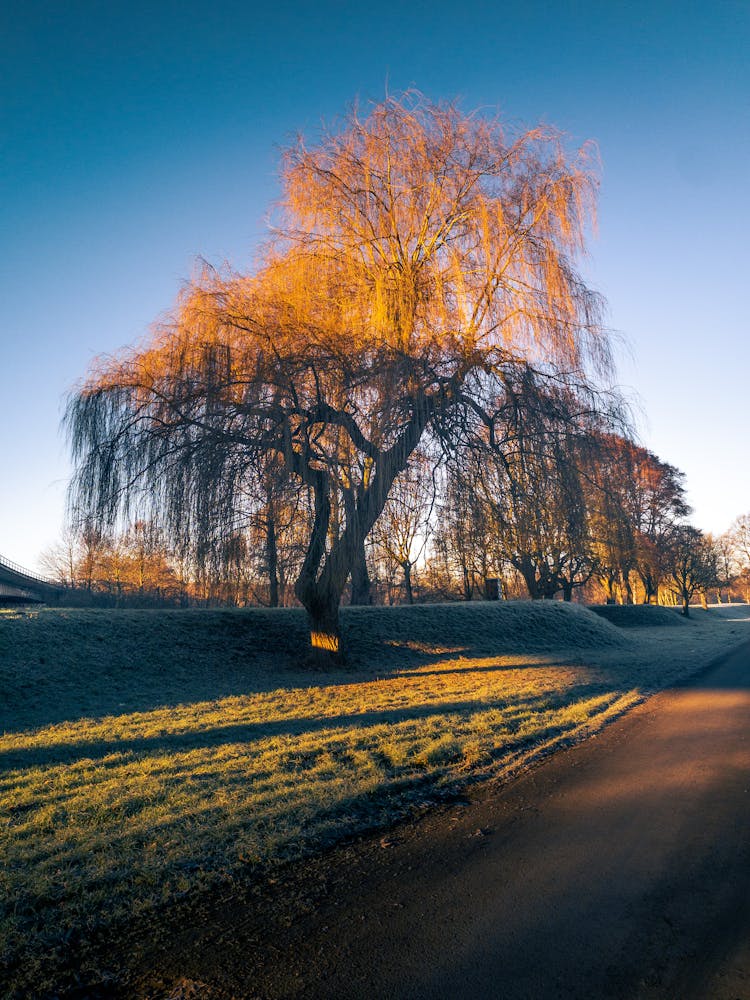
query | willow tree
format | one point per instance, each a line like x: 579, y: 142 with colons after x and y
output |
x: 418, y: 253
x: 530, y: 469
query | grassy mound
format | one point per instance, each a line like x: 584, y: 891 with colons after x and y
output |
x: 478, y: 628
x: 639, y: 615
x: 58, y: 664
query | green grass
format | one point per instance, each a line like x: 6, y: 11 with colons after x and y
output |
x: 147, y: 755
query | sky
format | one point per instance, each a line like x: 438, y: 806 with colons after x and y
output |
x: 137, y: 137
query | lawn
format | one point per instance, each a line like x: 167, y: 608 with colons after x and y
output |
x: 148, y: 755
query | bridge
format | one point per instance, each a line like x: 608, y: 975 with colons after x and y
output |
x: 21, y: 586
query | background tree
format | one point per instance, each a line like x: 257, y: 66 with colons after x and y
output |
x: 131, y: 567
x: 726, y: 564
x: 59, y: 560
x: 462, y: 545
x: 739, y: 534
x: 612, y: 525
x: 420, y: 256
x: 403, y: 530
x: 528, y: 470
x: 275, y: 515
x: 641, y: 500
x: 659, y: 506
x: 692, y: 564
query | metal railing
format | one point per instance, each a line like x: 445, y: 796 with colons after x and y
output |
x: 25, y: 573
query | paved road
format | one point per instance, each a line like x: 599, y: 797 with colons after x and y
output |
x: 619, y: 868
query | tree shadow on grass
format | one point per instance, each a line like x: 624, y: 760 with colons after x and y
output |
x: 69, y: 752
x: 59, y: 666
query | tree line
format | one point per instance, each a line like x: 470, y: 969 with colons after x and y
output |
x: 614, y: 530
x: 414, y: 375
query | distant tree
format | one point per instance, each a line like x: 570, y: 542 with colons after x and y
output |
x: 659, y: 508
x: 59, y: 561
x: 641, y: 500
x: 420, y: 256
x: 461, y: 544
x: 142, y: 542
x: 739, y: 535
x: 403, y: 530
x: 115, y: 566
x: 726, y: 563
x: 274, y: 513
x: 738, y: 542
x: 532, y: 474
x: 613, y: 530
x: 692, y: 564
x: 92, y: 544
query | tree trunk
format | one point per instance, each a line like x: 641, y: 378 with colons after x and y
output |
x: 608, y: 585
x: 325, y: 627
x: 567, y: 589
x: 685, y: 606
x: 529, y: 578
x: 272, y: 561
x: 319, y: 589
x: 406, y: 566
x: 361, y: 585
x: 320, y: 594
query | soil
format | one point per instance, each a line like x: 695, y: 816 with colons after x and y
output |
x: 619, y: 868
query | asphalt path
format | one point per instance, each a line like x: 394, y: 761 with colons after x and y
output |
x: 619, y: 868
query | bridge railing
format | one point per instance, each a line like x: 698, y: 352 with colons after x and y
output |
x: 21, y: 571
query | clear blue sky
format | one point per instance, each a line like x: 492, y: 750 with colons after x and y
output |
x: 135, y: 137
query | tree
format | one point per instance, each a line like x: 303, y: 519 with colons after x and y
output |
x: 659, y: 506
x: 612, y: 526
x: 419, y: 257
x: 403, y: 529
x: 739, y: 533
x: 530, y: 479
x: 59, y: 561
x: 640, y: 501
x: 726, y: 566
x: 273, y: 506
x: 131, y: 565
x: 692, y: 564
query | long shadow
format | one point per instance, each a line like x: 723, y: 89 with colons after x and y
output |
x: 58, y: 697
x: 68, y: 753
x: 88, y: 665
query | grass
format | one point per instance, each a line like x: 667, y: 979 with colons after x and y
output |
x: 148, y: 755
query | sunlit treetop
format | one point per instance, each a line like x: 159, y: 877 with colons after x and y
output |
x: 427, y: 227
